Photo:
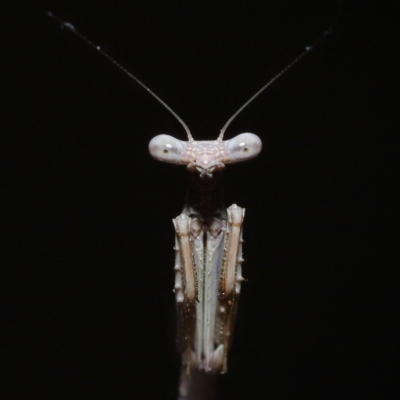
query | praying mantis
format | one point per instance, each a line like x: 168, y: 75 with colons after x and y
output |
x: 208, y: 240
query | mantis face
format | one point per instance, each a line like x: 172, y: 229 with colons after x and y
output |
x: 206, y: 156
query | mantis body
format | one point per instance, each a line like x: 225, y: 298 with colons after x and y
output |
x: 208, y: 248
x: 208, y: 242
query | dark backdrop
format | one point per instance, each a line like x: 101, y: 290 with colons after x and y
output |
x: 89, y: 309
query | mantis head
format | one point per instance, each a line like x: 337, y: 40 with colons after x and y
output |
x: 206, y: 156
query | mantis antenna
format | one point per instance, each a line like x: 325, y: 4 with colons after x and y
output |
x: 275, y: 78
x: 72, y: 29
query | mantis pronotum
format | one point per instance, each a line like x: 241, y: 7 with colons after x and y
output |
x: 208, y: 239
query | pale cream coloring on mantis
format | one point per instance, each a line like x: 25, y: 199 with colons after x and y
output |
x: 208, y: 242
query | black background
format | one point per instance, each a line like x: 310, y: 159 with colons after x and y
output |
x: 89, y: 309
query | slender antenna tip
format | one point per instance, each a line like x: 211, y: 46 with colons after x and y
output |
x: 68, y: 26
x: 63, y: 24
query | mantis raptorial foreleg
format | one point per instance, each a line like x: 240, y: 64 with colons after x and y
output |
x: 207, y: 286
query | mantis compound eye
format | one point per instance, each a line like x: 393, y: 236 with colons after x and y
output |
x: 243, y: 147
x: 166, y: 148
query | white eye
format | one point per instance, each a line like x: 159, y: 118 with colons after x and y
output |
x: 166, y: 148
x: 244, y: 147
